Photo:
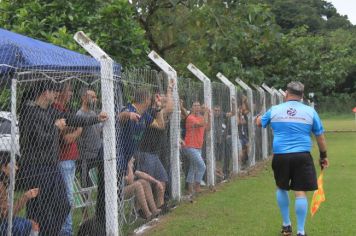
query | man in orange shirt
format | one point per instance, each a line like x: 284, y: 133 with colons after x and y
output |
x: 195, y: 125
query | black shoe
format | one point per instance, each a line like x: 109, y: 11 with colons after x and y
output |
x: 301, y: 234
x: 286, y: 230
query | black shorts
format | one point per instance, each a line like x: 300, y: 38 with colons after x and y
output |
x: 295, y: 171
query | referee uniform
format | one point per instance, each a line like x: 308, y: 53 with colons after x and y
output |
x: 292, y: 123
x: 293, y: 167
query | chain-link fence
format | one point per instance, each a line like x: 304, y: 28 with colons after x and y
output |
x: 144, y: 143
x: 193, y: 148
x: 55, y: 145
x: 258, y: 109
x: 244, y: 129
x: 222, y: 113
x: 94, y: 149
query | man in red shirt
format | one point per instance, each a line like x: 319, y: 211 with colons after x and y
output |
x: 196, y: 124
x: 68, y: 152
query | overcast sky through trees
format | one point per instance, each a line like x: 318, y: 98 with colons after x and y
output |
x: 346, y: 7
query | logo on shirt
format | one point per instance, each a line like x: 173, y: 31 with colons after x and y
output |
x: 291, y: 112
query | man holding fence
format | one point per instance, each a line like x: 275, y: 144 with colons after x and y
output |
x: 133, y: 121
x: 40, y: 127
x: 292, y: 123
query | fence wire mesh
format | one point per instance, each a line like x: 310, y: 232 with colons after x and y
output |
x: 222, y: 113
x: 258, y: 109
x: 269, y: 104
x: 244, y: 129
x: 58, y: 135
x: 143, y: 146
x: 56, y: 148
x: 193, y: 126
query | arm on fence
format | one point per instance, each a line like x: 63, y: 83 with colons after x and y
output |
x: 258, y: 121
x: 72, y: 136
x: 19, y: 204
x: 169, y: 103
x: 126, y: 115
x: 183, y: 112
x: 158, y: 122
x: 78, y: 121
x: 207, y: 119
x: 233, y: 110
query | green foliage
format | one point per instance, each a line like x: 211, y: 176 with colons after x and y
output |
x: 317, y: 15
x: 272, y: 41
x: 5, y: 95
x: 245, y: 39
x: 109, y: 22
x: 336, y: 103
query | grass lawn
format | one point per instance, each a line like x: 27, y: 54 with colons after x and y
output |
x: 345, y: 122
x: 247, y: 206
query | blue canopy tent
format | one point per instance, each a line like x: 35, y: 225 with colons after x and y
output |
x: 19, y: 53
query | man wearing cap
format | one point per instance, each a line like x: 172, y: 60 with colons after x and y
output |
x: 292, y: 123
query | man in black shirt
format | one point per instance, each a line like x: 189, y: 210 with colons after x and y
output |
x: 154, y: 145
x: 40, y: 126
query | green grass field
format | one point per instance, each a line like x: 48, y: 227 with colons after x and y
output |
x: 344, y: 122
x: 247, y: 206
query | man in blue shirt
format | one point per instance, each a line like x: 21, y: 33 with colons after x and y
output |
x: 292, y: 123
x: 134, y: 119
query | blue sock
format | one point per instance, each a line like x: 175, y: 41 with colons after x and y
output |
x: 301, y: 210
x: 283, y: 203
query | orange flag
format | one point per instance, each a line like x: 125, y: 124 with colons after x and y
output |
x: 318, y: 196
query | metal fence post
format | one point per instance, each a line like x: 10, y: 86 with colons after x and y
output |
x: 234, y: 127
x: 279, y: 95
x: 13, y: 156
x: 109, y: 135
x: 251, y: 126
x: 270, y: 91
x: 264, y: 131
x: 174, y: 126
x: 282, y: 92
x: 269, y: 131
x: 210, y: 155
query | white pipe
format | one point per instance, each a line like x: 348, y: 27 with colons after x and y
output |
x: 174, y: 126
x: 210, y: 154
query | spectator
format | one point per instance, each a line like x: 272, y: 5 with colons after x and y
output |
x: 90, y: 141
x: 220, y: 136
x: 242, y: 120
x: 40, y: 126
x: 141, y: 189
x: 133, y: 121
x: 153, y: 144
x: 196, y: 124
x: 20, y: 226
x: 68, y: 152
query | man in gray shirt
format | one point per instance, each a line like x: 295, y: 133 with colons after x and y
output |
x: 90, y: 141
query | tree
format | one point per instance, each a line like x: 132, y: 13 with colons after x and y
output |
x: 317, y: 15
x: 109, y: 22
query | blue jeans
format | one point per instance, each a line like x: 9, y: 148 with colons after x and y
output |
x: 196, y: 165
x: 20, y: 227
x: 68, y: 171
